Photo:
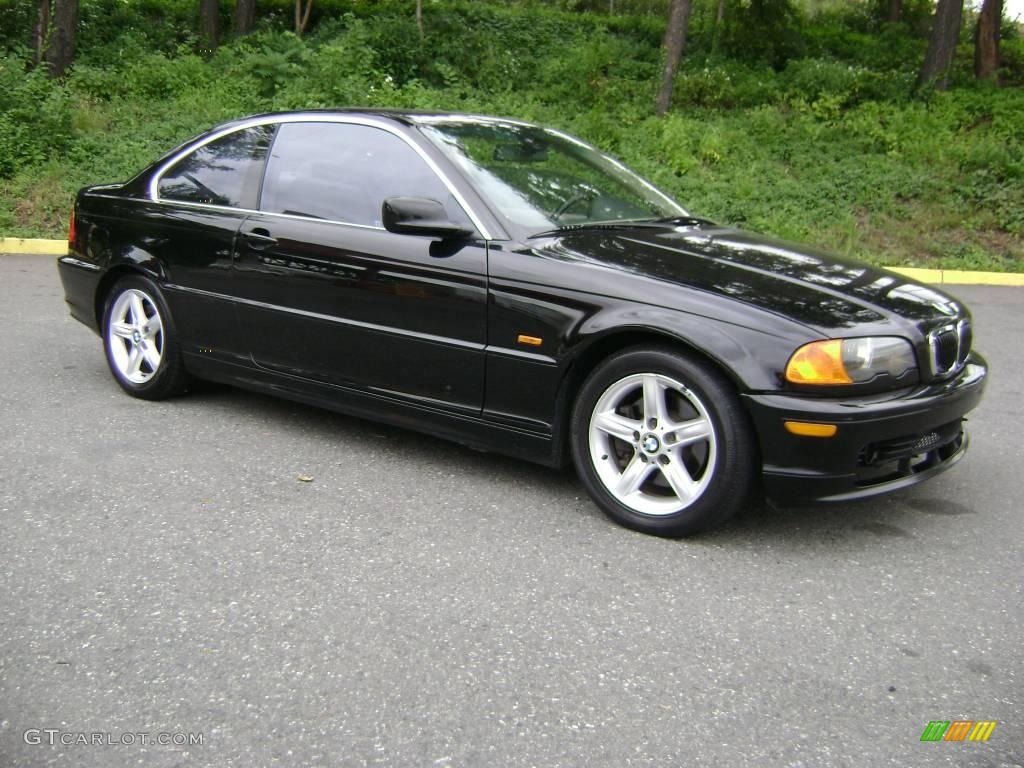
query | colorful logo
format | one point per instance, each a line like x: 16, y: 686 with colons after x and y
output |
x: 958, y: 730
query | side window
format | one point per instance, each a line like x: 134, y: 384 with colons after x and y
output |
x: 224, y: 172
x: 344, y: 172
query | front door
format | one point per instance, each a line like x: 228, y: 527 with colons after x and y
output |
x: 326, y: 293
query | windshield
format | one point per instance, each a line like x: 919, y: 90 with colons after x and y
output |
x: 540, y: 179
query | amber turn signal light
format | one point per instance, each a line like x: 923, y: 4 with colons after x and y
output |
x: 820, y: 362
x: 530, y: 341
x: 810, y: 429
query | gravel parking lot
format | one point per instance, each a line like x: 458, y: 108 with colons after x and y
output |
x: 163, y: 571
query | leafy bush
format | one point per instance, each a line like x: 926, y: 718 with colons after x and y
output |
x: 1011, y: 55
x: 726, y: 85
x: 835, y: 85
x: 766, y: 31
x: 110, y: 29
x: 35, y: 122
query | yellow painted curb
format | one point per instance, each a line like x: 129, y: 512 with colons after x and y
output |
x: 33, y: 246
x: 964, y: 277
x: 960, y: 276
x: 935, y: 276
x: 916, y: 273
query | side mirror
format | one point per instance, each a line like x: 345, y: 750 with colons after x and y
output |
x: 419, y: 216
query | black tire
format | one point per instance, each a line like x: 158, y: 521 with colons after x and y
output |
x: 720, y: 466
x: 169, y: 376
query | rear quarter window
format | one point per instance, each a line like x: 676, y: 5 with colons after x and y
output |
x: 226, y: 171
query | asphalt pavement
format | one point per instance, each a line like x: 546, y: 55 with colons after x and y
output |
x: 164, y: 571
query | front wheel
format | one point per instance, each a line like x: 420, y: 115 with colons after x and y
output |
x: 662, y: 443
x: 138, y: 336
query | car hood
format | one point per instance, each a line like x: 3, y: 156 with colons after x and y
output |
x: 825, y: 292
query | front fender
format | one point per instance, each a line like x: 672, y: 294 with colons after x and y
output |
x: 752, y: 358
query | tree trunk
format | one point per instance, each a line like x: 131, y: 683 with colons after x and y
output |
x: 986, y: 41
x: 245, y: 16
x: 61, y: 50
x: 716, y: 34
x: 942, y: 45
x: 895, y: 10
x: 675, y: 41
x: 302, y: 17
x: 40, y: 32
x: 419, y: 19
x: 208, y: 10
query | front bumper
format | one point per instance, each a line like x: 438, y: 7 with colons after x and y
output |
x: 880, y: 444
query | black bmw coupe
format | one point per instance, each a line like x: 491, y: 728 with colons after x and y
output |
x: 509, y: 287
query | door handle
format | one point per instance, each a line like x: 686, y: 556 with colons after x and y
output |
x: 259, y: 239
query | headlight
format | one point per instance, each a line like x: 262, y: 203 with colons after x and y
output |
x: 850, y: 361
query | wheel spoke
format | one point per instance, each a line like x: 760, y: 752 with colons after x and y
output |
x: 654, y: 399
x: 123, y: 330
x: 679, y: 478
x: 152, y: 357
x: 138, y: 310
x: 155, y: 325
x: 134, y: 362
x: 689, y: 432
x: 633, y: 476
x: 618, y: 426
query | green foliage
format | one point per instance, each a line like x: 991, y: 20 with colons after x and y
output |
x: 16, y: 19
x: 726, y: 84
x: 885, y: 50
x: 767, y: 31
x: 35, y: 122
x: 811, y: 133
x: 915, y: 15
x: 826, y: 81
x: 1011, y: 55
x: 110, y: 27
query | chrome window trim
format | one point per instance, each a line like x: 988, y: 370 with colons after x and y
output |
x: 248, y: 211
x: 147, y: 200
x: 384, y: 125
x: 429, y: 120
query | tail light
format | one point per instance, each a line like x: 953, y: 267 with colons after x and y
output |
x: 71, y: 229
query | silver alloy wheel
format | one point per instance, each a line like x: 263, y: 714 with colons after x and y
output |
x: 652, y: 444
x: 135, y: 336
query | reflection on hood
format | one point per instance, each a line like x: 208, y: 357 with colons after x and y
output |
x: 810, y: 286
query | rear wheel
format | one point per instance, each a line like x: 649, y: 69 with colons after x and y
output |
x: 662, y: 443
x: 138, y: 336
